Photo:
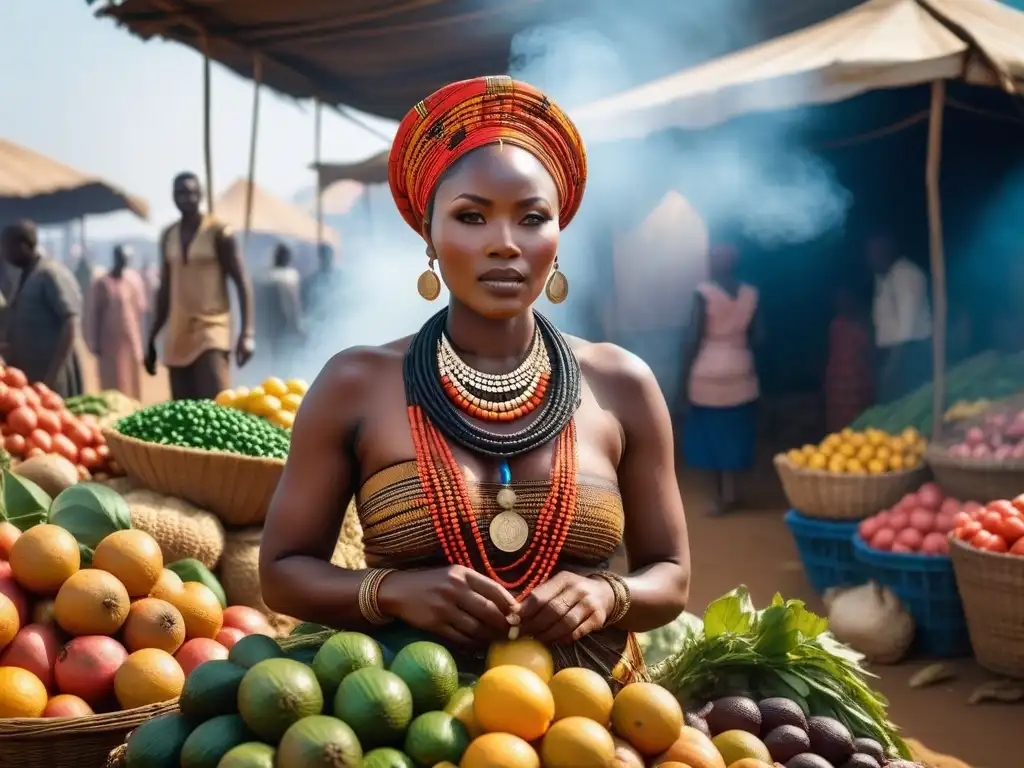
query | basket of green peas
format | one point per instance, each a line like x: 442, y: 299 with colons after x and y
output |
x: 220, y: 459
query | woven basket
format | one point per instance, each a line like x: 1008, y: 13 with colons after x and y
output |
x: 981, y: 480
x: 992, y: 588
x: 236, y: 488
x: 77, y: 742
x: 832, y: 496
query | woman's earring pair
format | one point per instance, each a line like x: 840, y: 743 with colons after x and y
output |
x: 557, y: 286
x: 429, y: 284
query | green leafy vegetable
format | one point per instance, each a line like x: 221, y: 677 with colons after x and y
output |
x: 25, y: 503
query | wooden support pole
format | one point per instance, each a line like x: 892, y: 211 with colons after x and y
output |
x: 937, y: 255
x: 317, y: 137
x: 207, y: 121
x: 257, y: 76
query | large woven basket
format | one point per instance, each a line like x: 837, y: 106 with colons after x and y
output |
x: 992, y: 588
x: 236, y: 488
x: 77, y: 742
x: 981, y: 480
x: 832, y: 496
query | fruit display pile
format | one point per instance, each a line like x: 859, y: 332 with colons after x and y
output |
x: 36, y: 422
x: 105, y: 406
x: 872, y: 451
x: 919, y: 522
x: 91, y: 618
x: 997, y: 527
x: 999, y: 437
x: 207, y: 426
x: 275, y: 400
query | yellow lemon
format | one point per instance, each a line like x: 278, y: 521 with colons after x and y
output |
x: 865, y: 454
x: 833, y: 439
x: 291, y: 402
x: 226, y: 398
x: 275, y: 386
x: 809, y: 450
x: 283, y: 418
x: 911, y: 460
x: 847, y: 450
x: 875, y: 437
x: 254, y: 397
x: 910, y: 434
x: 896, y: 462
x: 897, y: 444
x: 267, y: 406
x: 846, y: 432
x: 581, y: 692
x: 797, y: 457
x: 857, y: 439
x: 817, y: 461
x: 877, y: 467
x: 883, y: 452
x: 920, y: 445
x: 297, y: 386
x: 827, y: 450
x: 837, y: 464
x: 854, y: 467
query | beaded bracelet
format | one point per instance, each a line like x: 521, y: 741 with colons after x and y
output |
x: 368, y: 592
x: 622, y: 597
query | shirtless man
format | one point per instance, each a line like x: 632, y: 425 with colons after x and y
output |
x: 199, y: 256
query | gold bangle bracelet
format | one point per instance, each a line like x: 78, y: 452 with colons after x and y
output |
x: 369, y: 591
x: 622, y: 597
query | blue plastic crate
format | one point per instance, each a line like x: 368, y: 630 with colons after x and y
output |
x: 826, y: 551
x: 927, y: 587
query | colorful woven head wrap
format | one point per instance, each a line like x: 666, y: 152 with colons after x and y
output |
x: 474, y: 113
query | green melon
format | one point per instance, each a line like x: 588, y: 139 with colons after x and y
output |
x: 377, y: 704
x: 157, y: 743
x: 343, y: 654
x: 430, y: 672
x: 276, y: 693
x: 211, y: 690
x: 436, y: 737
x: 252, y: 649
x: 386, y: 757
x: 320, y: 742
x: 212, y: 740
x: 252, y: 754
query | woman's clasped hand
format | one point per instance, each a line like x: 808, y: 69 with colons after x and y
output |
x: 471, y: 609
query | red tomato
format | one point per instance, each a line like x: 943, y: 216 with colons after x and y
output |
x: 5, y: 429
x: 41, y: 388
x: 31, y: 397
x: 64, y: 447
x: 90, y: 459
x: 22, y: 420
x: 996, y: 544
x: 10, y: 399
x: 993, y: 523
x: 66, y: 417
x: 79, y: 434
x: 1019, y: 503
x: 15, y: 378
x: 969, y: 530
x: 49, y: 421
x: 1002, y: 507
x: 981, y: 539
x: 1018, y: 548
x: 103, y: 450
x: 97, y: 435
x: 32, y: 452
x: 52, y: 400
x: 1013, y: 529
x: 960, y: 518
x: 42, y: 439
x: 15, y: 445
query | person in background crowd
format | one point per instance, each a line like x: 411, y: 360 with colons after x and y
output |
x: 283, y: 307
x: 902, y: 319
x: 114, y: 326
x: 849, y: 379
x: 199, y: 256
x: 720, y: 431
x: 318, y: 287
x: 43, y: 315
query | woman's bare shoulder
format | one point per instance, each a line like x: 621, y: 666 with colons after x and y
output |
x: 356, y: 371
x: 610, y: 364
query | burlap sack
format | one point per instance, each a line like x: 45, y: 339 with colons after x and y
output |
x: 181, y: 529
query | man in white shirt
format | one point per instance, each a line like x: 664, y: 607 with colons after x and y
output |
x: 902, y: 319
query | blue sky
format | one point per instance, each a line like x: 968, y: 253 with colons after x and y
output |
x: 89, y: 94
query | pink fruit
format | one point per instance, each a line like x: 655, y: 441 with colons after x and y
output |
x: 935, y: 544
x: 34, y: 648
x: 981, y: 452
x: 1018, y: 451
x: 66, y: 705
x: 882, y: 518
x: 945, y: 522
x: 972, y: 506
x: 922, y: 520
x: 868, y: 528
x: 1002, y: 453
x: 910, y: 538
x: 929, y: 496
x: 899, y: 519
x: 229, y: 636
x: 86, y: 667
x: 974, y: 436
x: 883, y: 539
x: 950, y: 506
x: 249, y: 620
x: 960, y: 450
x: 13, y: 590
x: 9, y: 533
x: 196, y: 651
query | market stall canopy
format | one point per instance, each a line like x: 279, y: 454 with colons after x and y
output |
x: 372, y: 170
x: 878, y: 44
x: 34, y: 186
x: 270, y: 215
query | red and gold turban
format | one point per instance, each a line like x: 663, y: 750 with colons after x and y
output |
x: 470, y: 114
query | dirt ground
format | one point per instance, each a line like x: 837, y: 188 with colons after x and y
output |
x: 756, y: 549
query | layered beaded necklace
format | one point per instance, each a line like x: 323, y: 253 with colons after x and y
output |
x: 447, y: 399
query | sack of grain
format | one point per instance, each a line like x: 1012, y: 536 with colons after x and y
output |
x: 349, y: 552
x: 181, y: 529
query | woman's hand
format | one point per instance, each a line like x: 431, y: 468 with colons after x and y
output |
x: 456, y: 603
x: 566, y: 607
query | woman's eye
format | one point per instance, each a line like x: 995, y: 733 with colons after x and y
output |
x: 535, y: 219
x: 470, y: 217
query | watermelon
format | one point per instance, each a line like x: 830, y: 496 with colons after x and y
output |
x: 430, y: 672
x: 276, y: 693
x: 342, y: 654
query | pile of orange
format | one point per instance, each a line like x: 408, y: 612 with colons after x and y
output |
x: 522, y: 715
x: 275, y: 400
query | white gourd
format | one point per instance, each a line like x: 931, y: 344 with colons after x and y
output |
x: 870, y: 619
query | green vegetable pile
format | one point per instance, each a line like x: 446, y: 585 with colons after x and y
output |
x: 784, y: 650
x: 103, y: 404
x: 207, y: 426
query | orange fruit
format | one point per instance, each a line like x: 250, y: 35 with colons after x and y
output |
x: 200, y: 608
x: 44, y: 557
x: 149, y: 676
x: 499, y: 750
x: 626, y: 756
x: 577, y: 741
x: 692, y: 749
x: 22, y: 694
x: 9, y: 623
x: 154, y: 623
x: 648, y: 717
x: 513, y: 700
x: 524, y: 652
x: 275, y: 386
x: 134, y: 557
x: 167, y: 584
x: 581, y: 692
x: 91, y: 602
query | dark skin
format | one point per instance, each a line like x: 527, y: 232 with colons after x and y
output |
x: 123, y: 256
x: 188, y: 194
x: 496, y: 210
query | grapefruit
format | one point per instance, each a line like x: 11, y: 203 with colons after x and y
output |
x: 44, y: 557
x: 200, y: 608
x: 86, y: 667
x: 524, y: 652
x: 581, y: 692
x: 149, y: 676
x: 249, y: 620
x: 195, y: 652
x: 575, y: 741
x: 154, y: 623
x: 91, y: 602
x: 513, y: 700
x: 34, y: 648
x: 65, y: 705
x: 499, y: 750
x: 22, y: 694
x: 648, y: 717
x: 134, y: 557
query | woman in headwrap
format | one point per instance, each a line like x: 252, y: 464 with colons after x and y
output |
x: 496, y: 463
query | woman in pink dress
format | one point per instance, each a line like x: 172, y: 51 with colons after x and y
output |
x: 114, y: 326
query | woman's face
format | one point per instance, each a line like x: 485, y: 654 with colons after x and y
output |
x: 494, y: 229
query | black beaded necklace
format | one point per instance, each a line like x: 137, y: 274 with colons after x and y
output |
x: 423, y: 388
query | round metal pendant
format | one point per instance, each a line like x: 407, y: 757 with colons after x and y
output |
x: 557, y: 288
x: 429, y: 285
x: 509, y: 532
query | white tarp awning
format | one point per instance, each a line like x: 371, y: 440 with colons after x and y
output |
x: 270, y: 215
x: 878, y: 44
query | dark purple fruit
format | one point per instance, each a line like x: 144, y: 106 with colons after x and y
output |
x: 734, y: 713
x: 830, y: 739
x: 778, y: 711
x: 808, y: 760
x: 786, y: 742
x: 861, y: 760
x: 866, y: 746
x: 694, y: 720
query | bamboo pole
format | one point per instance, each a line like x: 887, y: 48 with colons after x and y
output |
x: 257, y: 77
x: 207, y: 120
x: 317, y: 137
x: 937, y: 255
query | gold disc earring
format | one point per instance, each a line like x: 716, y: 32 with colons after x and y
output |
x: 557, y: 286
x: 429, y: 284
